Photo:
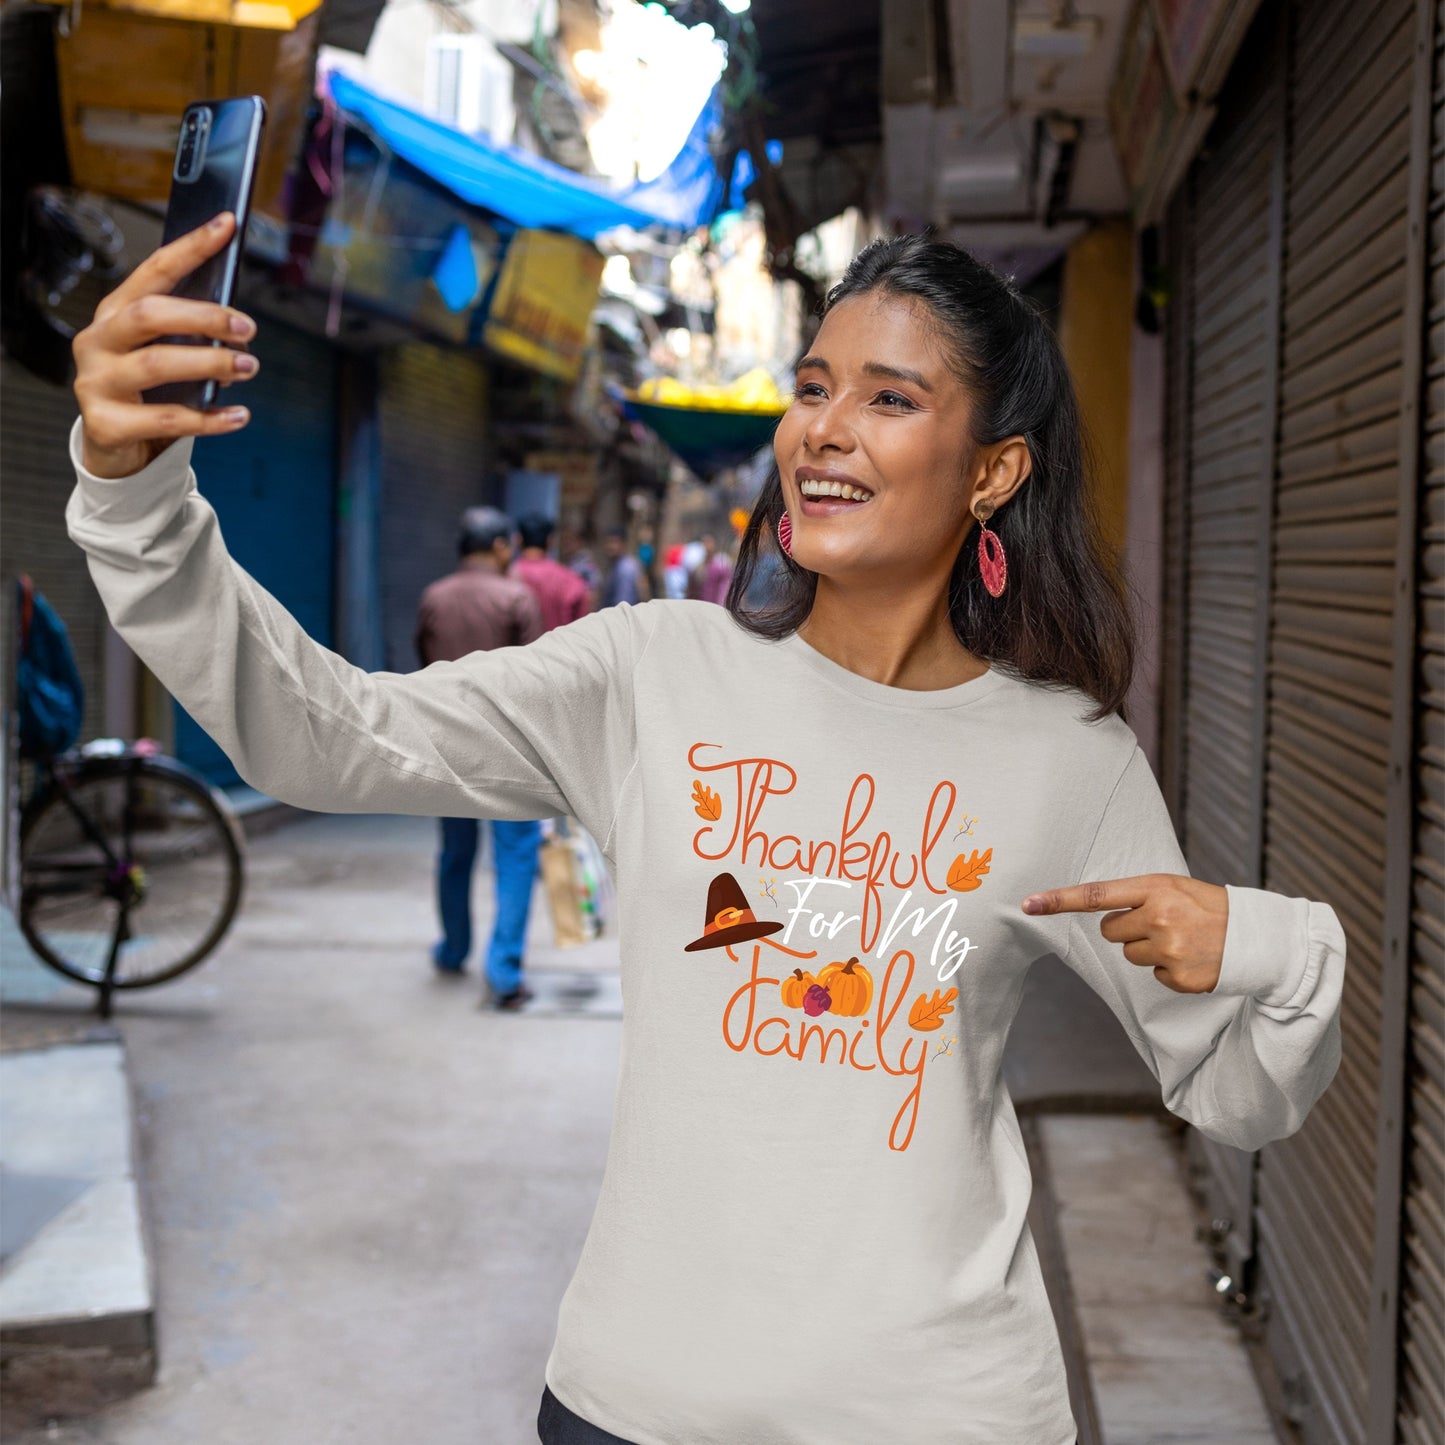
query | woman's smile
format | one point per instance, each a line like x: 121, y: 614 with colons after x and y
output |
x: 828, y: 492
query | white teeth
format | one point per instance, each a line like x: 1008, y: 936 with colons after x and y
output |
x: 845, y: 491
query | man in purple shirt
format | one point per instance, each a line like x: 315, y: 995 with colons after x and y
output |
x: 561, y: 594
x: 478, y: 608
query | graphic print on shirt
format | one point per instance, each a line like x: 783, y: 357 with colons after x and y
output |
x: 847, y: 1006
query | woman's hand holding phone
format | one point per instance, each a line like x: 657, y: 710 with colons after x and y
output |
x: 117, y: 358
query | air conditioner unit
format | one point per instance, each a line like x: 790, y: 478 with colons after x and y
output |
x: 469, y: 85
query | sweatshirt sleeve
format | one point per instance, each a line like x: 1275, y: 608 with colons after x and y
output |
x: 1246, y: 1062
x: 520, y: 732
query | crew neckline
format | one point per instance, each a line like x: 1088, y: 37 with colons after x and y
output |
x: 910, y: 699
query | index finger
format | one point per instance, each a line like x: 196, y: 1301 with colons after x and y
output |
x: 1094, y: 897
x: 170, y: 264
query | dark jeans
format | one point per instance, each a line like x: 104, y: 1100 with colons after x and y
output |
x: 557, y: 1425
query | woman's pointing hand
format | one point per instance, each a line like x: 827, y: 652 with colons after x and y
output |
x: 1169, y: 922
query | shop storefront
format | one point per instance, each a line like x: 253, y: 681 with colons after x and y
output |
x: 273, y: 486
x: 1302, y: 737
x: 33, y: 539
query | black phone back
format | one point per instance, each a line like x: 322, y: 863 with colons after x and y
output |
x: 215, y: 170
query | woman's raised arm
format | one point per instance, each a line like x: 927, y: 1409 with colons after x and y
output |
x: 515, y: 733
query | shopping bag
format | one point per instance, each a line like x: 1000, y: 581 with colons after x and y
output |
x: 560, y: 879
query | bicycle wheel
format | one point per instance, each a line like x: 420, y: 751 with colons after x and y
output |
x: 138, y: 854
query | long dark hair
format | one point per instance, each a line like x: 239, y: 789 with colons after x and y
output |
x: 1063, y: 619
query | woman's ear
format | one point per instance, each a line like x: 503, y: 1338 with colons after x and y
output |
x: 1001, y: 470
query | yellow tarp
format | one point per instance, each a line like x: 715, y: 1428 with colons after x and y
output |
x: 249, y: 14
x: 754, y: 392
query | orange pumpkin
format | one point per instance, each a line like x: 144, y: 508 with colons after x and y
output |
x: 795, y: 988
x: 851, y: 986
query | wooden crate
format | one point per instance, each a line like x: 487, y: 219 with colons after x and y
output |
x: 125, y: 78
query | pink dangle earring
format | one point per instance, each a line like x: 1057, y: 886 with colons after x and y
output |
x: 992, y: 563
x: 785, y: 533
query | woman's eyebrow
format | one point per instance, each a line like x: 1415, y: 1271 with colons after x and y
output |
x: 896, y: 373
x: 871, y: 368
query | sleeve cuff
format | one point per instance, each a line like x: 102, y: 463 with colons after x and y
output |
x: 1274, y: 946
x: 126, y: 501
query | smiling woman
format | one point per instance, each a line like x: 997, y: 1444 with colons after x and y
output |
x: 843, y: 833
x: 935, y: 395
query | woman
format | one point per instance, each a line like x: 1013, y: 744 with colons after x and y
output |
x: 842, y: 830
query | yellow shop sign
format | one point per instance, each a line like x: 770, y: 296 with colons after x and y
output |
x: 543, y: 302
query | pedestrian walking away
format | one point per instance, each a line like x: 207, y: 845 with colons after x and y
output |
x: 624, y: 578
x: 713, y: 575
x: 475, y: 609
x: 561, y: 594
x: 576, y: 558
x: 843, y: 827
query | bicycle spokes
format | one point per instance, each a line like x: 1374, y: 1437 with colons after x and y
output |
x: 128, y: 875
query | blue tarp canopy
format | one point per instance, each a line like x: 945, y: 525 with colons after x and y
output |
x: 530, y: 190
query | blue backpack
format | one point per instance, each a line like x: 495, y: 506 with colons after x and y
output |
x: 50, y: 694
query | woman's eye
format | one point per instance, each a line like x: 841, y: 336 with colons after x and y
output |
x: 808, y: 389
x: 892, y: 398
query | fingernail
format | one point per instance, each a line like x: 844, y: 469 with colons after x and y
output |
x: 236, y: 416
x: 245, y: 364
x: 219, y: 223
x: 1033, y: 905
x: 241, y: 325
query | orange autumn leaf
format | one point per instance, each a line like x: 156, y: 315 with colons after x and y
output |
x: 929, y: 1013
x: 709, y: 805
x: 967, y: 873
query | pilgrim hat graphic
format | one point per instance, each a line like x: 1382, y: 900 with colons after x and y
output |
x: 729, y: 919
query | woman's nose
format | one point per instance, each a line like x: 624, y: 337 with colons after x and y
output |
x: 829, y: 426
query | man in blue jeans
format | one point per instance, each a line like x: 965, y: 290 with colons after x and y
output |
x: 478, y: 608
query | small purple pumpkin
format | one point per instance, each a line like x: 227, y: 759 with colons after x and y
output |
x: 817, y: 1001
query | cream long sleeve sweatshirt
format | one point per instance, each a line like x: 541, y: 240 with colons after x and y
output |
x: 811, y: 1229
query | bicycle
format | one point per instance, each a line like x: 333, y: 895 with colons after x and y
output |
x: 131, y: 865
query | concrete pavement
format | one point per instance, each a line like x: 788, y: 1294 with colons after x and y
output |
x: 367, y: 1195
x: 76, y: 1302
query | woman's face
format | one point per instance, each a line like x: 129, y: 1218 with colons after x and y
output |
x: 879, y: 417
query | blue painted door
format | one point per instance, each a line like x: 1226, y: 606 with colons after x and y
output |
x: 273, y: 487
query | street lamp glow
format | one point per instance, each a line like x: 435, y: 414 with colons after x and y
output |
x: 736, y: 7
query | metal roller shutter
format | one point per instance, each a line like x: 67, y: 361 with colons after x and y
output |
x: 35, y: 466
x: 434, y: 464
x: 1174, y: 656
x: 1421, y: 1418
x: 1231, y: 318
x: 273, y: 488
x: 1330, y: 653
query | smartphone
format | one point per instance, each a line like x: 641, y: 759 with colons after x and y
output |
x: 214, y: 171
